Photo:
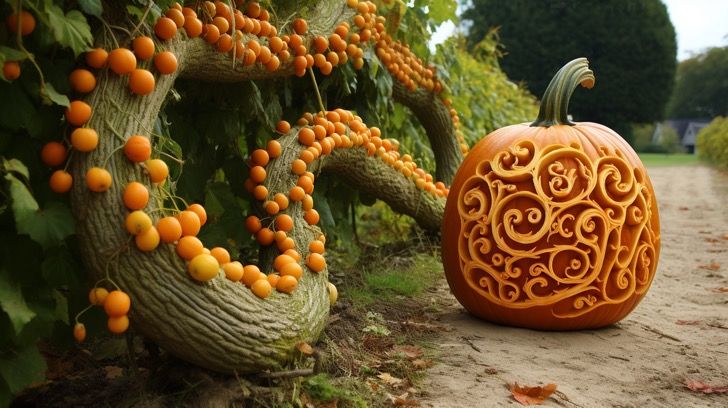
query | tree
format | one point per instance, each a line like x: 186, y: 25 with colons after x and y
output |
x: 701, y: 86
x: 630, y: 45
x: 105, y: 150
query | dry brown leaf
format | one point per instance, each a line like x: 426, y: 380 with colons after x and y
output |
x: 403, y: 400
x: 683, y: 208
x: 725, y: 236
x: 713, y: 266
x: 304, y: 348
x: 531, y: 395
x: 411, y: 352
x: 373, y: 385
x: 420, y: 364
x: 113, y: 372
x: 723, y: 289
x: 389, y: 379
x: 688, y: 322
x: 699, y: 386
x: 712, y: 240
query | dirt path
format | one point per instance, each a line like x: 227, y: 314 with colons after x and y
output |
x: 644, y: 360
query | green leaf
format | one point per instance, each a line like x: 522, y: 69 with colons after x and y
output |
x: 59, y: 268
x: 70, y: 30
x: 48, y: 226
x: 51, y: 96
x: 22, y: 368
x: 16, y: 166
x: 13, y: 303
x: 92, y: 7
x: 443, y: 10
x: 11, y: 54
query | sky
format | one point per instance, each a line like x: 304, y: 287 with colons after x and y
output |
x: 699, y: 24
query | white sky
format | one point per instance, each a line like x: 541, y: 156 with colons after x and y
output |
x: 699, y: 24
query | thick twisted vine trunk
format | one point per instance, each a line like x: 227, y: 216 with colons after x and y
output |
x: 435, y: 118
x: 220, y: 325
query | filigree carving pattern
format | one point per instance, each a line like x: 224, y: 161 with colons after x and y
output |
x: 551, y: 226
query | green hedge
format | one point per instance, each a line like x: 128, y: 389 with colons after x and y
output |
x: 712, y: 142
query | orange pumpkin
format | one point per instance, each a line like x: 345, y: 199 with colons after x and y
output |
x: 551, y: 225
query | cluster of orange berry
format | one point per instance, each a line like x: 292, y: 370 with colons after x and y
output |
x: 116, y: 304
x: 24, y: 22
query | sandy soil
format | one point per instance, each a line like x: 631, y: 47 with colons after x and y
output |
x: 642, y: 361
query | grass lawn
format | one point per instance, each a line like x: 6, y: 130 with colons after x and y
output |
x: 660, y: 159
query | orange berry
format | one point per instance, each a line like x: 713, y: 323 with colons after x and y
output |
x: 11, y: 70
x: 193, y: 26
x: 138, y: 148
x: 260, y: 157
x: 287, y: 284
x: 189, y: 247
x: 143, y: 47
x: 265, y: 236
x: 285, y: 244
x: 61, y: 181
x: 176, y: 16
x: 97, y: 296
x: 271, y: 207
x: 78, y: 113
x: 307, y: 203
x: 137, y: 222
x: 273, y: 279
x: 221, y: 254
x: 169, y: 229
x: 118, y: 325
x: 141, y: 82
x: 212, y: 33
x: 135, y: 196
x: 53, y: 154
x: 281, y: 260
x: 233, y: 271
x: 297, y: 193
x: 84, y: 139
x: 260, y: 192
x: 117, y: 304
x: 82, y: 80
x: 281, y: 200
x: 284, y: 222
x: 190, y: 222
x: 158, y: 170
x: 261, y: 288
x: 98, y: 180
x: 291, y: 269
x: 252, y: 224
x: 293, y: 254
x: 298, y: 167
x: 165, y: 62
x: 274, y: 148
x: 316, y: 246
x: 79, y: 332
x: 257, y: 174
x: 203, y: 267
x: 147, y: 241
x: 315, y: 262
x: 283, y: 127
x: 251, y: 274
x: 165, y: 28
x: 311, y: 216
x: 122, y: 61
x: 200, y: 211
x: 24, y: 20
x: 306, y: 136
x: 300, y: 26
x: 97, y: 58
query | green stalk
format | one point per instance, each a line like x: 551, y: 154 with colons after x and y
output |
x: 555, y: 102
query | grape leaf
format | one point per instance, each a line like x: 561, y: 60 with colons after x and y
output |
x: 93, y: 7
x: 70, y: 30
x: 17, y: 166
x: 441, y: 11
x: 46, y: 226
x: 51, y: 96
x: 12, y: 302
x: 11, y: 54
x: 22, y: 368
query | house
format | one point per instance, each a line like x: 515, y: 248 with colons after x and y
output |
x: 687, y: 131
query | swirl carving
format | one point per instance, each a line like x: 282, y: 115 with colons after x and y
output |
x: 553, y: 227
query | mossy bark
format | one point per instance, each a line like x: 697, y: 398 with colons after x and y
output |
x: 220, y: 325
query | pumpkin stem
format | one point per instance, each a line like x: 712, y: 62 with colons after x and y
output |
x: 555, y: 101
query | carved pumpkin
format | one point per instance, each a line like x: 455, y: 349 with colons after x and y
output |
x: 551, y: 225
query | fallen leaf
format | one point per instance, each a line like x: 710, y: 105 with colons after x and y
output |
x: 531, y: 395
x: 113, y: 372
x: 688, y: 322
x: 403, y: 400
x: 389, y: 379
x: 683, y: 208
x: 304, y: 348
x: 723, y: 289
x: 712, y: 240
x: 699, y: 386
x: 411, y: 352
x: 420, y: 364
x: 713, y: 266
x: 725, y: 236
